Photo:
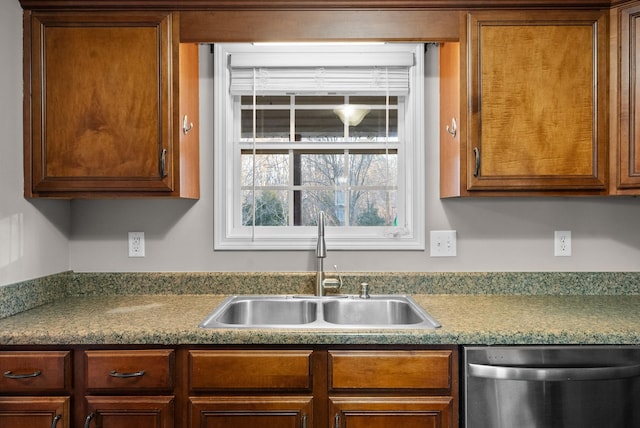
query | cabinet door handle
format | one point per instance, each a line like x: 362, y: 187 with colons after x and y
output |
x: 114, y: 373
x: 87, y: 422
x: 336, y: 421
x: 9, y: 375
x: 454, y: 127
x: 476, y: 152
x: 55, y: 421
x: 186, y: 125
x: 163, y: 163
x: 304, y: 421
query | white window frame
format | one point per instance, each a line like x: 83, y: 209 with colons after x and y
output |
x: 230, y: 234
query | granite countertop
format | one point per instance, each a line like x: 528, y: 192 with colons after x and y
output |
x: 465, y: 318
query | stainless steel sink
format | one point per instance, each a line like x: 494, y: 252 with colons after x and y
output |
x: 312, y: 312
x: 371, y: 312
x: 268, y: 311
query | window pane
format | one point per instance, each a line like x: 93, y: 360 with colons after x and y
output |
x: 373, y: 126
x: 373, y: 169
x: 318, y: 125
x: 271, y: 208
x: 272, y: 169
x: 271, y: 125
x: 322, y: 169
x: 329, y: 201
x: 373, y: 208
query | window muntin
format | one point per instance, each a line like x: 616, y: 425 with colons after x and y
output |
x: 299, y: 158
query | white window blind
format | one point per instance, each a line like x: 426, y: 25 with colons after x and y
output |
x: 362, y: 73
x: 283, y: 151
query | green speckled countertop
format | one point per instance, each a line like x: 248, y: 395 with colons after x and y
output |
x: 465, y: 319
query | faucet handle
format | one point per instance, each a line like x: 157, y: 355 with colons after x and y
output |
x: 333, y: 283
x: 364, y: 291
x: 339, y: 275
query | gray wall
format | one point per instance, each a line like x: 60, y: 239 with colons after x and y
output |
x: 493, y: 234
x: 34, y: 236
x: 42, y: 237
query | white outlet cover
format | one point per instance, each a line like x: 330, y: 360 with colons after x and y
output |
x: 443, y: 243
x: 562, y: 243
x: 136, y: 244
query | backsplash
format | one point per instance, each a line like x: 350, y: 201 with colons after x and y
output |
x: 25, y: 295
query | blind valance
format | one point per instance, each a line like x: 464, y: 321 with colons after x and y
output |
x: 367, y: 73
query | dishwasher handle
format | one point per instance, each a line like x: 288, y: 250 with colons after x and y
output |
x: 552, y: 374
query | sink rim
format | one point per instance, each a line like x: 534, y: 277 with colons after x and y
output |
x: 212, y: 321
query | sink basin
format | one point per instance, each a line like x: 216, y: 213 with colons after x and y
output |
x: 371, y: 312
x: 311, y: 312
x: 268, y: 311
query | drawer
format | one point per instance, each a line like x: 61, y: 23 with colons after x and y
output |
x: 242, y: 370
x: 33, y: 371
x: 130, y: 369
x: 390, y: 370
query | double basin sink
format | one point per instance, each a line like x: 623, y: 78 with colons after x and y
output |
x: 312, y: 312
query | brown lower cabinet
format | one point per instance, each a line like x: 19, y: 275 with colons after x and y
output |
x: 230, y: 387
x: 35, y: 389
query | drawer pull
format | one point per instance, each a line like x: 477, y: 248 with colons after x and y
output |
x: 114, y: 373
x: 87, y: 422
x: 476, y: 152
x: 10, y: 375
x: 55, y: 421
x: 163, y: 163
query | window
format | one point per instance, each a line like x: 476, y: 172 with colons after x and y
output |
x: 327, y: 127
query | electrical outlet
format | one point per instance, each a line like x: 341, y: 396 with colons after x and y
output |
x: 136, y: 244
x: 443, y: 243
x: 562, y: 243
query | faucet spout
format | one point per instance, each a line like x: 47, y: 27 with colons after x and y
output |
x: 321, y: 247
x: 321, y: 254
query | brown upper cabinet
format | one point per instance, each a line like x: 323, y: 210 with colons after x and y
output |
x: 114, y: 96
x: 536, y: 100
x: 533, y: 107
x: 626, y: 167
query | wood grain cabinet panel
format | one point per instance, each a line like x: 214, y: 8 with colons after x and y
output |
x: 140, y: 386
x: 130, y: 369
x: 250, y: 370
x: 628, y: 167
x: 534, y: 105
x: 349, y: 370
x: 129, y: 412
x: 384, y: 412
x: 385, y: 388
x: 35, y: 412
x: 35, y: 371
x: 105, y: 106
x: 35, y: 388
x: 251, y: 412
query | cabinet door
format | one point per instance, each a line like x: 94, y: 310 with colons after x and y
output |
x: 537, y: 107
x: 34, y: 412
x: 384, y: 412
x: 127, y: 412
x: 629, y: 148
x: 101, y: 102
x: 250, y: 412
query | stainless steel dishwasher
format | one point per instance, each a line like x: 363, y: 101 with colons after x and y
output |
x: 551, y: 387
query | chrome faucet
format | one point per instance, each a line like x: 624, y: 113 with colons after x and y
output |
x: 323, y: 283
